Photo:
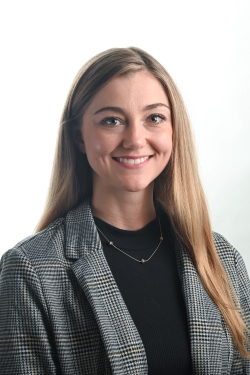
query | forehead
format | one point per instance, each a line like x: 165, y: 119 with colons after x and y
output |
x: 140, y: 87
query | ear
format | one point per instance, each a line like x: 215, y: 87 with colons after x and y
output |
x: 78, y: 139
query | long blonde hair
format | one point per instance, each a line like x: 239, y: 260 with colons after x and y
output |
x: 178, y: 187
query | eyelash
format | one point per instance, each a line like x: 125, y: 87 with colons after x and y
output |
x: 163, y: 118
x: 104, y: 121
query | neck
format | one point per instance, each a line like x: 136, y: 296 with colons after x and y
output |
x: 125, y: 210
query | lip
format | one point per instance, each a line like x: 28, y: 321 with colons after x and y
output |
x: 132, y: 157
x: 132, y: 166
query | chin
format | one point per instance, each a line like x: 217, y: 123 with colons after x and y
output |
x: 135, y: 188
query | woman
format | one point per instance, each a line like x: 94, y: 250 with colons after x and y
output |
x: 124, y: 275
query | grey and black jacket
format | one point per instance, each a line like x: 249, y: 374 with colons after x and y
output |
x: 61, y: 311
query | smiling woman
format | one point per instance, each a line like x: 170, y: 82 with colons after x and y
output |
x: 127, y: 137
x: 124, y: 274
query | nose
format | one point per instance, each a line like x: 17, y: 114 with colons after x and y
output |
x: 134, y: 136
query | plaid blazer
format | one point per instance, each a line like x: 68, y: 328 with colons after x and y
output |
x: 61, y: 311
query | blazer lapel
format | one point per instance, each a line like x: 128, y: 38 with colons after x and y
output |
x: 123, y: 344
x: 204, y: 319
x: 209, y: 342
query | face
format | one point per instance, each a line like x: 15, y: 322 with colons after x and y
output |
x: 126, y: 133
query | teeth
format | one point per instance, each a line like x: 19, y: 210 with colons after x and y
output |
x: 133, y: 161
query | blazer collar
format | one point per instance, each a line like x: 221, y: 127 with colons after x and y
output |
x: 81, y: 234
x: 121, y: 339
x: 209, y: 342
x: 209, y: 337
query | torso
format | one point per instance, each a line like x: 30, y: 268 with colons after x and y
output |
x: 152, y: 293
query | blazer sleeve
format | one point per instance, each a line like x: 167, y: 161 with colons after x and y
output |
x: 26, y: 340
x: 244, y: 298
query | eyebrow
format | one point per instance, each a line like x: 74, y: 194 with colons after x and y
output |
x: 120, y: 110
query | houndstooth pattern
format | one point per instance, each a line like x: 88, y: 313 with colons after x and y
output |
x: 61, y: 311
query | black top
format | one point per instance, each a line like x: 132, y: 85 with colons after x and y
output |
x: 152, y: 293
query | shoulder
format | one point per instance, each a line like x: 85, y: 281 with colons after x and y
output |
x: 39, y: 247
x: 235, y: 268
x: 229, y: 256
x: 66, y: 238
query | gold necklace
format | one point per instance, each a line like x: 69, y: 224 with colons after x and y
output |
x: 137, y: 260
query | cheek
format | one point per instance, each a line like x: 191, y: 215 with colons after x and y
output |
x: 96, y: 146
x: 164, y: 143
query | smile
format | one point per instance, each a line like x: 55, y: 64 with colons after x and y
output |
x: 132, y: 161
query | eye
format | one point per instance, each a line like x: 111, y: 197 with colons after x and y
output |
x: 156, y: 118
x: 111, y: 121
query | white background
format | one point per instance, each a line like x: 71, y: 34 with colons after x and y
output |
x: 205, y: 46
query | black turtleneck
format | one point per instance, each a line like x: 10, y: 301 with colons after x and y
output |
x: 152, y: 293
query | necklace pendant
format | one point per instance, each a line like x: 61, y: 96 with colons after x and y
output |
x: 142, y: 261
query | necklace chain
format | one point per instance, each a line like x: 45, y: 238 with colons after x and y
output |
x: 137, y: 260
